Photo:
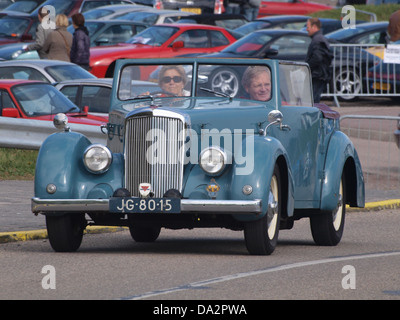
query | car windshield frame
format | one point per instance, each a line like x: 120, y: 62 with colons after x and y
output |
x: 290, y: 83
x: 49, y: 101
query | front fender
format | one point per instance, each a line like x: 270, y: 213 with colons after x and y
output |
x: 342, y: 157
x: 255, y: 168
x: 60, y: 163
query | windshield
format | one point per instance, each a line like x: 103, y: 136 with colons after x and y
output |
x: 42, y: 99
x: 213, y: 80
x: 26, y: 6
x: 12, y: 26
x: 68, y: 72
x: 248, y: 45
x: 154, y: 36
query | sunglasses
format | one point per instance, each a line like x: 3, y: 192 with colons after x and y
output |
x: 176, y: 79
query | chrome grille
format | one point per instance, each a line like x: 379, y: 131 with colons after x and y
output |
x: 154, y: 153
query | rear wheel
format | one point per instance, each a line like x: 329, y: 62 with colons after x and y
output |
x: 65, y: 232
x: 261, y: 236
x: 327, y: 227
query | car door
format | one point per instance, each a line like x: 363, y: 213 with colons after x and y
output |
x: 300, y: 133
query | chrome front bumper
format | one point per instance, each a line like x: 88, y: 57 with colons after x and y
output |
x: 187, y: 206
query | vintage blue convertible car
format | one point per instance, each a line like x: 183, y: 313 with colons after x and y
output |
x: 184, y: 151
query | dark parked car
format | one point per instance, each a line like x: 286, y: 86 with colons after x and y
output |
x: 193, y: 157
x: 293, y: 45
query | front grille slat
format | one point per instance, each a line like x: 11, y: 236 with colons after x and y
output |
x: 149, y: 136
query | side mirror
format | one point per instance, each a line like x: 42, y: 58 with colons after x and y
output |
x: 274, y: 117
x: 10, y: 113
x: 270, y: 52
x: 85, y: 109
x: 178, y: 45
x: 102, y: 41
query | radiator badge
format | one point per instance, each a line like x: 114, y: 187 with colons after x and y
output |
x: 144, y: 189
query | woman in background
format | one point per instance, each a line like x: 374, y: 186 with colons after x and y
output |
x: 58, y: 43
x: 80, y: 51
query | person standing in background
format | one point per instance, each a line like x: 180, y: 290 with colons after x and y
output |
x: 58, y: 43
x: 250, y: 9
x: 394, y: 27
x: 80, y: 51
x: 232, y: 6
x: 41, y: 35
x: 318, y: 57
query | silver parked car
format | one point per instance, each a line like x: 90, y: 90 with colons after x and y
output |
x: 42, y: 70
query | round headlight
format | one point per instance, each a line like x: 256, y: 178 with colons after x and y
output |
x: 97, y: 158
x: 213, y: 160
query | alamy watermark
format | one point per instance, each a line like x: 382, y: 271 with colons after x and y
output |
x: 237, y: 147
x: 49, y: 21
x: 49, y: 280
x: 348, y: 17
x: 349, y: 280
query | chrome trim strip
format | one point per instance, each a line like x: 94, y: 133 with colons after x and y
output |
x: 187, y: 206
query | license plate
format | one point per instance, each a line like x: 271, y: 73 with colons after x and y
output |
x: 193, y: 10
x: 145, y: 205
x: 379, y: 86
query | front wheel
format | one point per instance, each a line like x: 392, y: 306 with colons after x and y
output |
x: 327, y: 227
x: 261, y: 236
x: 65, y: 232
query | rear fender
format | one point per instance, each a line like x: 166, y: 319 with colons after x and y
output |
x: 341, y: 158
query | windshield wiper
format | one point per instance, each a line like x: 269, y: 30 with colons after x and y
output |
x: 221, y: 94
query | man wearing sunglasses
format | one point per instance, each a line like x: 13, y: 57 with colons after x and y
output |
x: 172, y: 79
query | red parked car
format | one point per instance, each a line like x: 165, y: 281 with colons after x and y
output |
x: 302, y: 7
x: 40, y: 101
x: 161, y: 41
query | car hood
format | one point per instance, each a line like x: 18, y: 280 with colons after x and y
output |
x: 239, y: 114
